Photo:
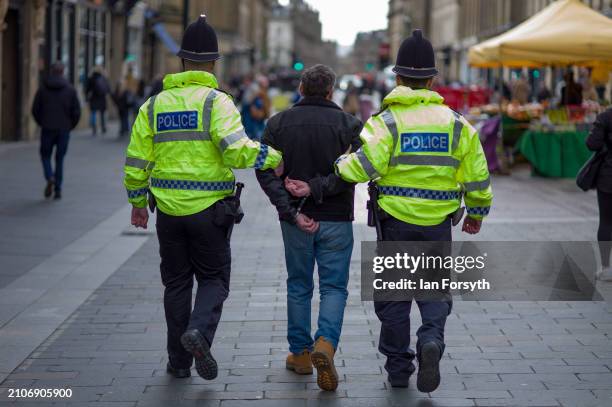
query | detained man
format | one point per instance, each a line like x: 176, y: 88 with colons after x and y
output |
x: 317, y: 226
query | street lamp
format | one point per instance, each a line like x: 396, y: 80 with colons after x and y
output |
x: 185, y: 14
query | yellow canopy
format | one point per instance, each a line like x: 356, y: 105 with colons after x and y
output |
x: 565, y: 33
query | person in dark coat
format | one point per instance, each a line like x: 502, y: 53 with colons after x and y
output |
x: 57, y: 111
x: 96, y: 90
x: 124, y: 100
x: 600, y: 139
x: 571, y: 93
x: 316, y: 226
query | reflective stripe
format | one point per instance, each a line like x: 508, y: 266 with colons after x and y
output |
x: 207, y: 112
x: 151, y: 113
x: 136, y: 163
x: 437, y: 160
x: 479, y: 210
x: 457, y: 129
x: 135, y: 193
x: 476, y: 185
x: 192, y: 185
x: 261, y: 157
x: 387, y: 117
x: 366, y: 164
x: 180, y: 136
x: 231, y: 139
x: 420, y: 193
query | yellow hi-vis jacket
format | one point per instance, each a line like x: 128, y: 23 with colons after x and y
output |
x: 184, y: 143
x: 424, y: 157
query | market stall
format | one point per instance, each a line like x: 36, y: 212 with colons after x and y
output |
x: 565, y: 33
x: 555, y: 144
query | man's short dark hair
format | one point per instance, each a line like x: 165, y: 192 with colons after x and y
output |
x: 318, y: 80
x: 414, y: 83
x: 57, y: 68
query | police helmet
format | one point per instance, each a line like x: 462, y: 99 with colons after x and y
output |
x: 199, y: 42
x: 416, y: 58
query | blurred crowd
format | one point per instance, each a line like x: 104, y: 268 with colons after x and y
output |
x: 260, y: 96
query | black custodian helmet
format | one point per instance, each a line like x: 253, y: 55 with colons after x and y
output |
x: 199, y: 42
x: 416, y: 58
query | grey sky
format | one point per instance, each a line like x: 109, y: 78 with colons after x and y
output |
x: 343, y: 19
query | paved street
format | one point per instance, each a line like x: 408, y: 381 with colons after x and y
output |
x: 81, y: 305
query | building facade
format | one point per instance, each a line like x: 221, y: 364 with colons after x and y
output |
x: 367, y: 49
x: 280, y: 38
x: 116, y: 35
x: 294, y: 36
x: 405, y: 16
x: 242, y: 30
x: 37, y: 33
x: 455, y: 25
x: 307, y: 29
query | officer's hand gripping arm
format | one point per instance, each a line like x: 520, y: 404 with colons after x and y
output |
x: 139, y: 161
x: 274, y: 188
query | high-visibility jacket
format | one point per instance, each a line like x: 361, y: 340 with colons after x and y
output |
x: 424, y: 158
x: 184, y: 143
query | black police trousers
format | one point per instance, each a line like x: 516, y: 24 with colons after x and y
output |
x: 394, y: 341
x: 192, y: 246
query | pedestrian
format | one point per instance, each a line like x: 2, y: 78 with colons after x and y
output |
x: 183, y: 145
x: 571, y: 92
x: 311, y: 135
x: 600, y: 139
x: 57, y: 110
x: 96, y: 90
x: 350, y: 104
x: 124, y: 100
x: 256, y: 108
x: 521, y: 91
x: 420, y: 184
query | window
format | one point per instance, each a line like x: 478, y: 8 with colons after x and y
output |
x: 60, y: 35
x: 92, y: 40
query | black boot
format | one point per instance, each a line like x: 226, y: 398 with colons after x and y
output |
x: 194, y: 342
x: 178, y: 373
x: 428, y: 378
x: 49, y: 187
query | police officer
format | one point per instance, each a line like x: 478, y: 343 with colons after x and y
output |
x: 424, y: 157
x: 184, y: 143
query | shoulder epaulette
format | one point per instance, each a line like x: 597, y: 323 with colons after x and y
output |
x: 226, y: 92
x: 380, y: 111
x: 456, y: 113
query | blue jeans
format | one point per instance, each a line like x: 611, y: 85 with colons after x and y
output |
x: 331, y: 248
x: 92, y: 120
x: 58, y: 139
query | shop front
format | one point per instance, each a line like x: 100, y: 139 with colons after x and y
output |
x: 76, y: 34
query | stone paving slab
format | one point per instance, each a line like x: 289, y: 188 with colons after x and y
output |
x: 111, y: 350
x: 35, y: 229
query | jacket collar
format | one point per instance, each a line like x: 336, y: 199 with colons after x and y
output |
x: 182, y: 79
x: 404, y: 95
x: 317, y: 101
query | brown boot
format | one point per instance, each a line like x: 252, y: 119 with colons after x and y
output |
x: 299, y: 363
x: 323, y: 360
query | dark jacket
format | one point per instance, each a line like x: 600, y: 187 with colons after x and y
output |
x: 56, y: 105
x: 600, y: 137
x: 311, y: 136
x: 96, y: 89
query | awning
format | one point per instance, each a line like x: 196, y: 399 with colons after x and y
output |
x: 565, y: 33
